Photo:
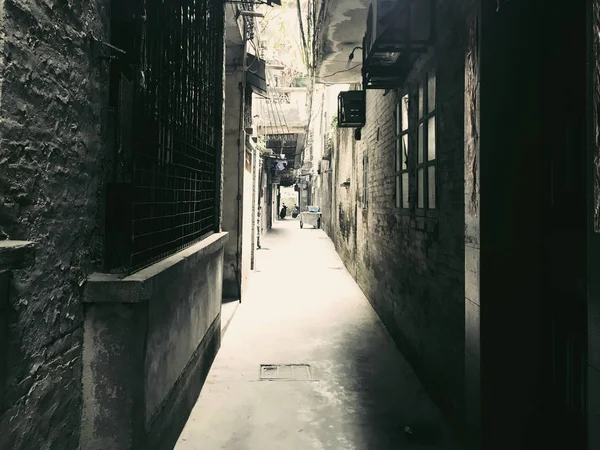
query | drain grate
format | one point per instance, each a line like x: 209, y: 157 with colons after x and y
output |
x: 285, y: 372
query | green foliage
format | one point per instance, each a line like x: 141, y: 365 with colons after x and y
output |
x: 261, y: 143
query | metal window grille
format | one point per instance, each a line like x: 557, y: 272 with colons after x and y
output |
x: 426, y: 143
x: 177, y: 125
x: 401, y: 152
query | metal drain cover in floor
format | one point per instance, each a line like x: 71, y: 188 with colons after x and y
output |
x: 285, y: 372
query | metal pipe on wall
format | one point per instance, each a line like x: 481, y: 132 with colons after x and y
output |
x: 241, y: 160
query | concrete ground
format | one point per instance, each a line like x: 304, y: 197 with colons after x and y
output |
x: 228, y: 310
x: 358, y: 392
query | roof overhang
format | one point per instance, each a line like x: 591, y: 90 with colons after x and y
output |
x: 341, y: 31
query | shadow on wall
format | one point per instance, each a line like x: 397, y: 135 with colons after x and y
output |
x: 149, y: 341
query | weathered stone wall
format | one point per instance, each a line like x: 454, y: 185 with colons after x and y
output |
x: 52, y: 95
x: 472, y: 241
x: 343, y: 203
x: 412, y: 266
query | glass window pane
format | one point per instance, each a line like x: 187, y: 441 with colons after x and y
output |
x: 431, y: 92
x: 405, y: 190
x: 420, y: 155
x: 431, y: 139
x: 421, y: 188
x: 404, y: 155
x: 431, y: 186
x: 398, y: 157
x: 398, y: 192
x: 421, y: 100
x: 404, y: 105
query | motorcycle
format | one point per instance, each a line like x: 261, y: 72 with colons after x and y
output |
x: 295, y: 212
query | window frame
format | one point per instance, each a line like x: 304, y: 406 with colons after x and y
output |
x: 402, y: 170
x: 365, y: 183
x: 423, y: 137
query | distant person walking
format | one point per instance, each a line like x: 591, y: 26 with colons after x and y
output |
x: 283, y: 212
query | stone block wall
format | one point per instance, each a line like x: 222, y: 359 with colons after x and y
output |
x: 411, y: 265
x: 53, y: 88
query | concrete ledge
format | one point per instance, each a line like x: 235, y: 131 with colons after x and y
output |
x: 149, y: 341
x: 142, y: 285
x: 167, y: 424
x: 16, y: 254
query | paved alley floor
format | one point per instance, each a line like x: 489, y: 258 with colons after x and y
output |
x: 349, y: 388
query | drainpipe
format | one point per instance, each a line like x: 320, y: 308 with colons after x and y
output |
x: 241, y: 163
x: 240, y: 191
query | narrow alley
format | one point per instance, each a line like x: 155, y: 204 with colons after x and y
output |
x: 159, y: 158
x: 351, y: 388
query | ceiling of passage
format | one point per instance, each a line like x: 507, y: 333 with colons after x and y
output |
x: 342, y: 30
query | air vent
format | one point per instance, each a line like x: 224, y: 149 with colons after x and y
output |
x: 397, y: 32
x: 351, y: 109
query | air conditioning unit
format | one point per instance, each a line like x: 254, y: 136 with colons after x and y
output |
x: 397, y: 32
x: 351, y: 109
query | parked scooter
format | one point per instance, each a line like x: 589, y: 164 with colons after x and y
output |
x: 295, y: 212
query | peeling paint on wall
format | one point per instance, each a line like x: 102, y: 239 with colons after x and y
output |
x: 472, y: 124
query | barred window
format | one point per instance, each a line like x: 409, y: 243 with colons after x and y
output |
x: 426, y: 143
x: 401, y: 153
x: 171, y: 192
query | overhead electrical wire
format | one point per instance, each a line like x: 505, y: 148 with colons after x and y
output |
x: 341, y: 71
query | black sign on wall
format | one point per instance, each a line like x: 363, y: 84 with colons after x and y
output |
x: 256, y: 77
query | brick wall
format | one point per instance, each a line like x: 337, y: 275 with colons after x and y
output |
x: 412, y: 267
x: 53, y: 89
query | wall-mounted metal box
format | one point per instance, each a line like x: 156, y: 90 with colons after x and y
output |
x: 351, y: 109
x: 397, y: 32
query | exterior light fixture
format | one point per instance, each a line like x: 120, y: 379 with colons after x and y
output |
x: 351, y: 57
